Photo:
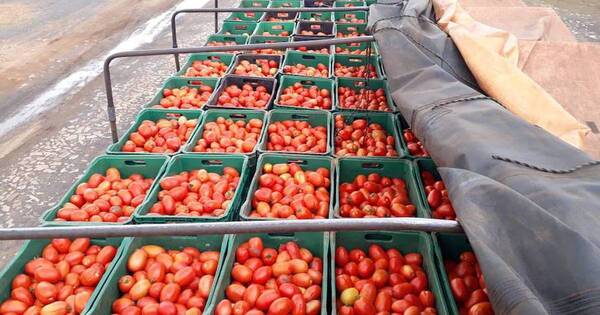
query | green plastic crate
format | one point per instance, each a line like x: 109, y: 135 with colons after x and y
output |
x: 357, y: 61
x: 349, y: 168
x: 274, y: 28
x: 285, y: 4
x: 239, y: 80
x: 110, y: 291
x: 350, y: 15
x: 32, y: 249
x: 258, y: 39
x: 278, y: 17
x: 328, y: 28
x: 238, y: 39
x: 449, y: 246
x: 371, y: 84
x: 254, y: 3
x: 176, y: 83
x: 149, y: 166
x: 154, y: 115
x: 213, y: 114
x: 223, y: 57
x: 237, y: 28
x: 405, y: 242
x: 307, y: 162
x: 294, y: 57
x: 245, y: 16
x: 289, y: 80
x: 425, y: 165
x: 369, y: 2
x: 387, y: 120
x: 252, y: 59
x: 187, y: 162
x: 317, y: 243
x: 347, y: 28
x: 318, y: 3
x: 358, y: 46
x: 314, y: 117
x: 345, y: 3
x: 401, y: 124
x: 316, y: 16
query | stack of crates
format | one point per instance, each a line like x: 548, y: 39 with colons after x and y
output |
x: 329, y: 68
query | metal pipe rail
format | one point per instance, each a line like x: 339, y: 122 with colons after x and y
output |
x: 218, y: 10
x: 184, y: 229
x: 110, y: 108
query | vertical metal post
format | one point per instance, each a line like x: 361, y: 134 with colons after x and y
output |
x: 174, y: 40
x: 216, y: 17
x: 110, y: 109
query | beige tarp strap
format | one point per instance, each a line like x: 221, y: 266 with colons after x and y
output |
x: 492, y: 56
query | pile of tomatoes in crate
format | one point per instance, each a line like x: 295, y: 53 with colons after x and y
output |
x: 162, y: 281
x: 105, y: 198
x: 60, y: 281
x: 229, y: 136
x: 259, y: 68
x: 287, y: 191
x: 248, y: 96
x: 467, y: 285
x: 163, y: 136
x: 273, y: 281
x: 312, y: 97
x: 186, y: 97
x: 361, y: 138
x: 381, y: 281
x: 374, y: 195
x: 296, y: 136
x: 197, y: 193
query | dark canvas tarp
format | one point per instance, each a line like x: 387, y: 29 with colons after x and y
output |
x: 529, y: 203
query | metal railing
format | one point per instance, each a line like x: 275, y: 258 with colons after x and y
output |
x: 112, y: 118
x: 240, y: 227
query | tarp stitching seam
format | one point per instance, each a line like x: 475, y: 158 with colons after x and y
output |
x: 434, y: 106
x: 543, y: 169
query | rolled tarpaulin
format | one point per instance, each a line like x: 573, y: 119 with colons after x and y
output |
x: 492, y: 55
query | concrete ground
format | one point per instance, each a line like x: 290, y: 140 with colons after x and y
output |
x: 43, y: 155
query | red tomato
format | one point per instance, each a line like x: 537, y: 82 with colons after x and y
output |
x: 362, y: 307
x: 224, y: 308
x: 265, y: 299
x: 241, y: 273
x: 281, y: 306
